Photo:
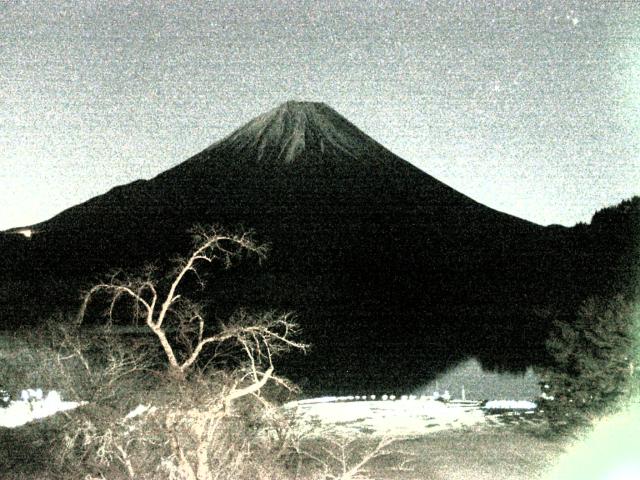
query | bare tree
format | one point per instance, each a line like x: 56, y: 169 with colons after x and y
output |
x: 162, y: 304
x: 340, y: 459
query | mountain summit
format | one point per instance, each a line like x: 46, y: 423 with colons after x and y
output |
x: 300, y: 131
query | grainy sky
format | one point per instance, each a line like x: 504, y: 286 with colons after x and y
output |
x: 530, y: 107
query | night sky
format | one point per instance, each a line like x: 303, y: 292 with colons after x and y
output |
x: 530, y: 107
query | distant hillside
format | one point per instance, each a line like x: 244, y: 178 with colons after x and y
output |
x: 393, y: 274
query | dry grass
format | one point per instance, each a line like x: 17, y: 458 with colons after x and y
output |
x: 475, y: 454
x: 483, y: 453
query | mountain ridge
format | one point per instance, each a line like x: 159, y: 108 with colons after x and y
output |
x: 299, y: 138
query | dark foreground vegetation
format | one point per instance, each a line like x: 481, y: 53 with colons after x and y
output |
x: 188, y: 434
x: 595, y: 358
x: 188, y: 400
x: 189, y: 428
x: 177, y: 393
x: 191, y: 399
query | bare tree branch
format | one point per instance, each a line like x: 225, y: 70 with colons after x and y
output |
x: 165, y: 309
x: 252, y: 388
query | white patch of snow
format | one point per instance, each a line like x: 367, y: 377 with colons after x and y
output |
x: 317, y: 400
x: 384, y: 417
x: 410, y: 416
x: 510, y: 405
x: 31, y: 394
x: 32, y: 406
x: 139, y: 410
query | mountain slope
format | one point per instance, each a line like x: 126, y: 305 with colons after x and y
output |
x: 387, y: 268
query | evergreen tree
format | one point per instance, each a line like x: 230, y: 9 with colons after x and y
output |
x: 593, y: 362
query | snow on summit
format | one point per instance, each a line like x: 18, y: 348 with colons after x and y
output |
x: 300, y: 129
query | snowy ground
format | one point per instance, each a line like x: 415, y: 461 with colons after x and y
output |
x: 33, y: 405
x: 400, y: 418
x: 403, y: 417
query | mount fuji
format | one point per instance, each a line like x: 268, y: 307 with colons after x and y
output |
x: 393, y: 275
